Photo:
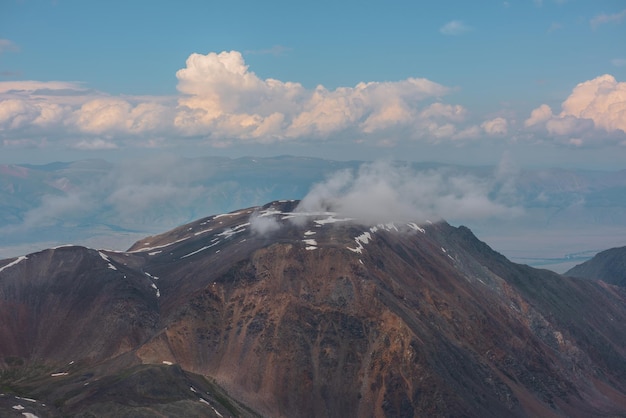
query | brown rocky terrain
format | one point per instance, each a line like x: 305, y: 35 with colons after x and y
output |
x: 273, y: 313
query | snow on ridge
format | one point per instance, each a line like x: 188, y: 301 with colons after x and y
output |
x: 308, y: 233
x: 416, y: 227
x: 229, y: 232
x: 331, y: 220
x: 360, y: 240
x: 156, y: 247
x: 12, y: 263
x: 228, y: 214
x: 200, y: 250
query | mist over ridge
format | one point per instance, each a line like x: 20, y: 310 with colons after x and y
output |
x: 110, y: 205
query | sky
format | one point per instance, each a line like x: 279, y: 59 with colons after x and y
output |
x: 543, y: 81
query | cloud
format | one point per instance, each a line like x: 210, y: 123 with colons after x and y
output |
x: 619, y: 62
x: 95, y: 144
x: 8, y: 46
x: 596, y: 109
x: 222, y: 102
x: 223, y: 98
x: 495, y: 127
x: 604, y: 18
x: 263, y: 225
x: 382, y: 192
x: 454, y: 27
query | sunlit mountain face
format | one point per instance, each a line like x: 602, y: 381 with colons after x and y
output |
x: 285, y: 311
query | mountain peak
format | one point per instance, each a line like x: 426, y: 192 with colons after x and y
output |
x: 312, y: 313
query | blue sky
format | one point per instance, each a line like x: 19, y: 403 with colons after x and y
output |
x: 451, y: 81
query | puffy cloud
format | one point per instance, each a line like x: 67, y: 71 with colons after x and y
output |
x: 497, y: 126
x: 382, y: 192
x: 539, y: 115
x: 454, y: 27
x: 604, y: 18
x: 222, y: 97
x: 222, y: 101
x: 593, y: 107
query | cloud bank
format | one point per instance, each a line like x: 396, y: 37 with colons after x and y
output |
x: 221, y: 102
x: 382, y: 192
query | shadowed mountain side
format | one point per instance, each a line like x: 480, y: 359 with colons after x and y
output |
x: 608, y: 266
x: 312, y: 315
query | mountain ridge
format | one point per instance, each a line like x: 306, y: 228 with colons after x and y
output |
x: 312, y: 314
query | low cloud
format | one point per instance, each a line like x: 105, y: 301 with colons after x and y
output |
x: 382, y: 192
x: 263, y: 225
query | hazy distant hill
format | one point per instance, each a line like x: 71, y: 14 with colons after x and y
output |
x: 97, y: 203
x: 280, y: 313
x: 608, y: 266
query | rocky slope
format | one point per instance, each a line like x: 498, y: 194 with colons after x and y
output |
x: 608, y: 266
x: 278, y: 313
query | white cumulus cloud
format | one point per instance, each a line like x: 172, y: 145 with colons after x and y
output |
x: 595, y: 109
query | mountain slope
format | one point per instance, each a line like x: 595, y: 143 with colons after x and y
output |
x: 608, y: 266
x: 308, y: 315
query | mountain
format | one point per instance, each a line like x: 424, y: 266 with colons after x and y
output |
x: 269, y: 311
x: 608, y: 266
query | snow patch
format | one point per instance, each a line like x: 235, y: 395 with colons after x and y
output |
x: 201, y: 249
x: 229, y: 232
x: 158, y: 293
x: 18, y: 407
x: 331, y: 220
x: 19, y: 259
x: 416, y: 227
x: 59, y: 374
x: 308, y: 233
x: 29, y: 415
x: 25, y: 399
x: 156, y: 247
x: 167, y: 363
x: 214, y: 410
x: 361, y: 240
x: 227, y: 214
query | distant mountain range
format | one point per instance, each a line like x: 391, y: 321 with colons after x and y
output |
x: 272, y: 311
x: 567, y: 215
